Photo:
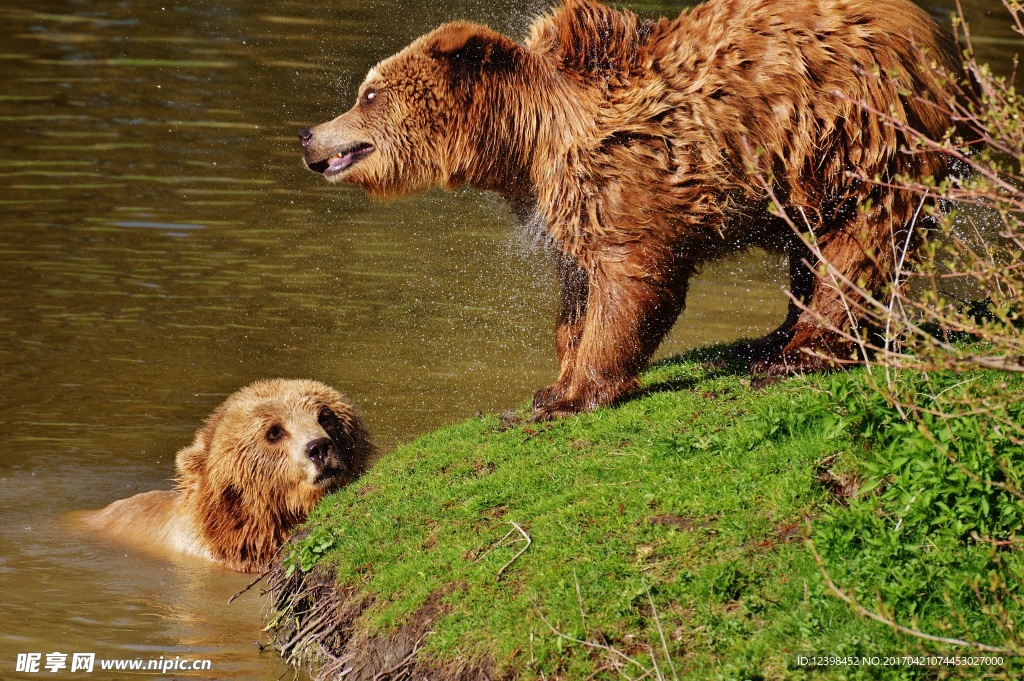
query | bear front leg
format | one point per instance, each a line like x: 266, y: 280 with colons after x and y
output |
x: 626, y: 318
x: 572, y: 306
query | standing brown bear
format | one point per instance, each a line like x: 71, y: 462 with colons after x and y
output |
x: 629, y: 143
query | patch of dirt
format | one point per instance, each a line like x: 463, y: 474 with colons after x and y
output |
x: 507, y: 420
x: 762, y: 382
x: 783, y: 534
x: 682, y: 522
x: 843, y: 486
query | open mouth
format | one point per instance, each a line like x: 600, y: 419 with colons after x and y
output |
x: 343, y: 160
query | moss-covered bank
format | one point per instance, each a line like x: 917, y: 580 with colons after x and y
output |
x: 667, y: 537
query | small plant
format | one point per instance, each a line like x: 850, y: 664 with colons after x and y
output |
x: 306, y: 552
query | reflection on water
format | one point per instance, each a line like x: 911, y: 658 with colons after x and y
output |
x: 162, y: 246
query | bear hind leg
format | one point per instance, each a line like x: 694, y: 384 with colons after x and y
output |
x: 802, y: 285
x: 863, y: 250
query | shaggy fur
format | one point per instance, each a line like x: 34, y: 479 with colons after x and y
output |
x: 631, y: 142
x: 263, y: 460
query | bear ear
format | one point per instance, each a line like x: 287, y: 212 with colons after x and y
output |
x: 191, y: 460
x: 340, y: 422
x: 472, y: 48
x: 348, y: 431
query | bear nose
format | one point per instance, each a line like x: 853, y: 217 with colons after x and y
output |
x: 305, y: 136
x: 320, y: 451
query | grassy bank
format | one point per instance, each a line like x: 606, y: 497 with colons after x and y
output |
x: 668, y: 537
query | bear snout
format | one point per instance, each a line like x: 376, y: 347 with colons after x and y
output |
x: 309, y: 155
x: 332, y: 150
x: 321, y: 451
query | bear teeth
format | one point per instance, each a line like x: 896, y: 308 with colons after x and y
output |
x: 342, y: 161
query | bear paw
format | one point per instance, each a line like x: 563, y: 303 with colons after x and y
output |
x: 793, y: 362
x: 546, y: 396
x: 585, y: 398
x: 557, y: 410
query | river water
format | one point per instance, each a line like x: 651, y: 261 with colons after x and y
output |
x: 162, y: 245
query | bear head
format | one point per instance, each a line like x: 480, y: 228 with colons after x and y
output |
x: 263, y: 460
x: 418, y: 116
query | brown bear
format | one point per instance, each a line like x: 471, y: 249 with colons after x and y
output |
x: 629, y: 145
x: 256, y: 469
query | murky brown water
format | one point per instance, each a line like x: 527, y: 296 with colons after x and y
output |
x: 161, y: 246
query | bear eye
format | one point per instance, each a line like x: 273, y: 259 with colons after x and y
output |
x: 274, y: 433
x: 369, y: 96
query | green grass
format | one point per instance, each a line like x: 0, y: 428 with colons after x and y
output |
x: 695, y: 496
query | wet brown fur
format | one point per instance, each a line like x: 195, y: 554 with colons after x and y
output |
x: 239, y: 494
x: 629, y: 143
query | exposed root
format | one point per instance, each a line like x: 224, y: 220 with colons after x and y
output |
x: 319, y: 624
x: 312, y: 620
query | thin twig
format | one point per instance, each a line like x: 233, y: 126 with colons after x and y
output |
x: 579, y: 597
x: 591, y: 644
x: 1012, y: 543
x: 251, y: 584
x: 661, y: 633
x: 494, y: 545
x: 654, y: 658
x: 529, y: 541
